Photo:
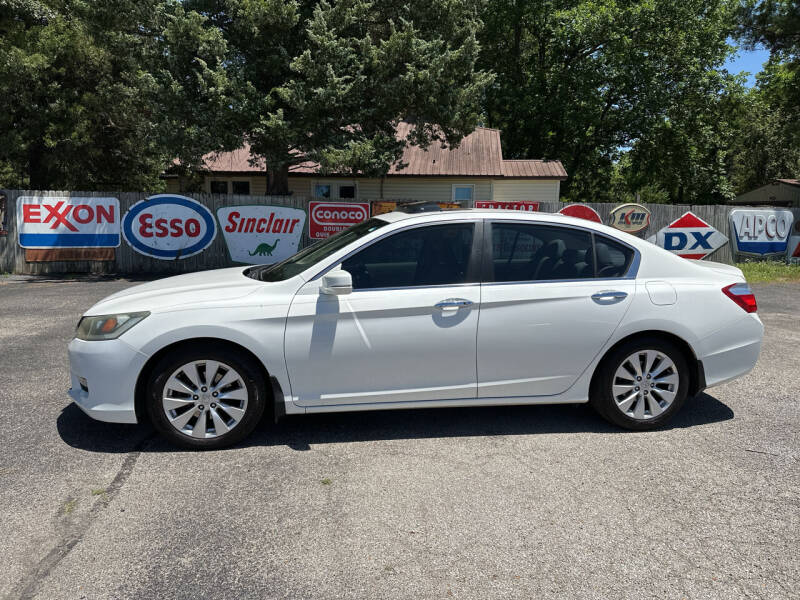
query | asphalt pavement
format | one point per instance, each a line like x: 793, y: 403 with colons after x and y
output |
x: 516, y: 502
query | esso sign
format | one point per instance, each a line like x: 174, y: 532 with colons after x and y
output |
x: 761, y: 231
x: 327, y: 218
x: 169, y: 227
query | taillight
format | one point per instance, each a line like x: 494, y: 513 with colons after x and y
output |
x: 742, y: 295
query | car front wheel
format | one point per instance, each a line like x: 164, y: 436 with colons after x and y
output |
x: 204, y: 398
x: 642, y: 384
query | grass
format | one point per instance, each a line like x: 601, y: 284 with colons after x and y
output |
x: 69, y: 506
x: 770, y: 272
x: 325, y: 481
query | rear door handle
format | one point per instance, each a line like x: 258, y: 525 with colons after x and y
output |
x: 453, y: 303
x: 609, y: 297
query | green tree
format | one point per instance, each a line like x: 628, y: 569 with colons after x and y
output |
x: 688, y: 152
x: 100, y: 95
x: 330, y: 81
x: 578, y: 80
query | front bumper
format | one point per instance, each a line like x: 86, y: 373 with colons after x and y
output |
x: 110, y: 369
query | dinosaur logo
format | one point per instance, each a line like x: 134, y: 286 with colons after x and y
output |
x: 264, y: 249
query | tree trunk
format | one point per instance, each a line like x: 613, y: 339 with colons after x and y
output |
x: 278, y: 181
x: 37, y: 167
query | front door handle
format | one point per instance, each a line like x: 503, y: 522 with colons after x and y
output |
x: 609, y: 297
x: 453, y: 303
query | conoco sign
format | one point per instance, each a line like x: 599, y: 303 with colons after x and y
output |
x: 327, y: 218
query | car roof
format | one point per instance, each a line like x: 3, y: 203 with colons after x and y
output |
x: 487, y: 213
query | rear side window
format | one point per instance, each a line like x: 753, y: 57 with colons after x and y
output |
x: 423, y: 256
x: 523, y: 252
x: 613, y: 259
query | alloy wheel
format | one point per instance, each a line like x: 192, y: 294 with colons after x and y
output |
x: 205, y: 399
x: 645, y: 384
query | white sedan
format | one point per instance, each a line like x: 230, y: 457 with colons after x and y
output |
x: 454, y: 308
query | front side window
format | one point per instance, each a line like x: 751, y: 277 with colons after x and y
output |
x: 311, y: 255
x: 523, y: 252
x: 219, y: 187
x: 423, y: 256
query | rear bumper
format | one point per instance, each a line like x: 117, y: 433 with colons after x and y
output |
x: 109, y: 369
x: 731, y: 352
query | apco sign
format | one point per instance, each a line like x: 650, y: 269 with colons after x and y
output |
x: 261, y: 235
x: 630, y: 218
x: 169, y: 227
x: 762, y: 231
x: 581, y: 211
x: 690, y: 237
x: 327, y: 218
x: 60, y: 222
x: 524, y: 205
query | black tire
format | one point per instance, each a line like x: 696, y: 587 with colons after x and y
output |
x: 244, y: 365
x: 602, y: 398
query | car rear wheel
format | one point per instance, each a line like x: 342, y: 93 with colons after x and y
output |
x: 641, y: 384
x: 204, y: 398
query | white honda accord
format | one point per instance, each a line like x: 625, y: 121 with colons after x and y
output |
x: 405, y: 310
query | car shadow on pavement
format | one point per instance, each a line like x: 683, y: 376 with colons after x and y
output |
x: 302, y: 431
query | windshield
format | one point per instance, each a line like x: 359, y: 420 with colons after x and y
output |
x: 311, y: 255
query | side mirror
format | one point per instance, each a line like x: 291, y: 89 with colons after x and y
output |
x: 337, y: 283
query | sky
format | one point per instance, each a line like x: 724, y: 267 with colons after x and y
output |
x: 748, y: 60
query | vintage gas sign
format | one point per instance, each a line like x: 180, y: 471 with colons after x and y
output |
x: 327, y: 218
x: 690, y: 237
x: 630, y: 218
x: 169, y: 227
x: 261, y: 235
x: 581, y: 211
x: 61, y: 222
x: 761, y: 231
x: 525, y: 205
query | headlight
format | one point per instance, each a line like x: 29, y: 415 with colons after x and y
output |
x: 107, y: 327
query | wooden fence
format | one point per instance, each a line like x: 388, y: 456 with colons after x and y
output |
x: 128, y: 261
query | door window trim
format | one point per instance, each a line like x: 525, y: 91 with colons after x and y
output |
x: 474, y: 265
x: 487, y: 270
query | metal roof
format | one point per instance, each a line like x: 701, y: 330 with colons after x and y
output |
x: 478, y: 155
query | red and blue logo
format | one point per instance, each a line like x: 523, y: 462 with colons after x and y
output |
x: 169, y: 227
x: 689, y: 237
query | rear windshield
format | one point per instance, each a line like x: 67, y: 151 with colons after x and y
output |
x: 308, y: 257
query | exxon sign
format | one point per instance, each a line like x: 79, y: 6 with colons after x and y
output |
x: 759, y: 232
x: 61, y: 222
x: 689, y: 237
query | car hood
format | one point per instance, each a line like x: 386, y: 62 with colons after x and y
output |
x: 205, y: 288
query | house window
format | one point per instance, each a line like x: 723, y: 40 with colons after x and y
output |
x: 462, y: 193
x: 241, y: 187
x: 335, y: 190
x: 219, y: 187
x: 347, y: 191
